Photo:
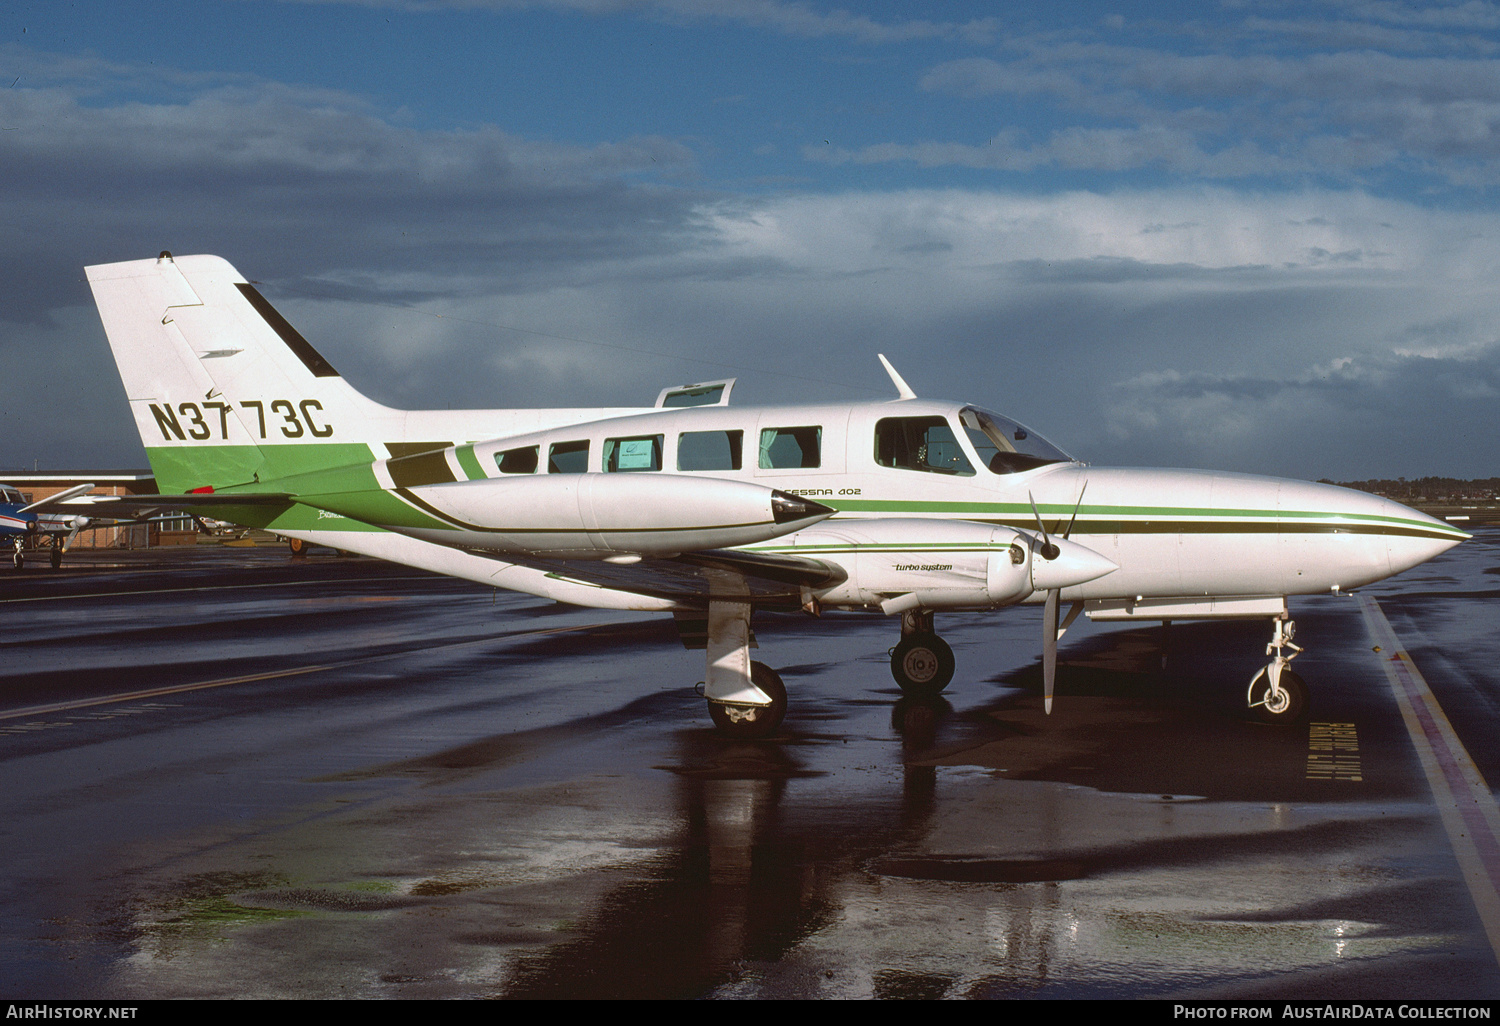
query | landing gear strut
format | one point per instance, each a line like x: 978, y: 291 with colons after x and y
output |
x: 752, y: 721
x: 19, y: 559
x: 745, y: 699
x: 921, y: 663
x: 1278, y: 694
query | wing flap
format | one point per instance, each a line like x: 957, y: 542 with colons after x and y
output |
x: 769, y: 578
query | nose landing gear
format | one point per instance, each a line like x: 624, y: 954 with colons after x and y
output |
x: 1277, y: 693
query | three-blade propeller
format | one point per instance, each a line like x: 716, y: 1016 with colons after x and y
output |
x: 1048, y: 550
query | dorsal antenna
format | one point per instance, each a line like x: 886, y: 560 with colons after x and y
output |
x: 903, y: 390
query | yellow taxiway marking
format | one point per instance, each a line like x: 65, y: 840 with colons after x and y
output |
x: 177, y: 689
x: 1470, y: 814
x: 1333, y: 752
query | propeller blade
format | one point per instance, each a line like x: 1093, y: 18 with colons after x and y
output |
x: 1048, y: 550
x: 1049, y: 649
x: 1077, y: 506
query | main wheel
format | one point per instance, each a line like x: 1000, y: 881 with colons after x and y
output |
x: 1287, y: 707
x: 922, y: 664
x: 752, y: 721
x: 298, y: 547
x: 56, y: 556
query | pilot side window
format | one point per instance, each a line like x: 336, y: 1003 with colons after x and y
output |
x: 624, y: 454
x: 920, y: 443
x: 517, y: 461
x: 709, y: 450
x: 568, y: 458
x: 791, y: 447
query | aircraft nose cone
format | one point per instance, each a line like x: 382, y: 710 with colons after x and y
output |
x: 1075, y: 564
x: 1420, y: 537
x: 787, y: 508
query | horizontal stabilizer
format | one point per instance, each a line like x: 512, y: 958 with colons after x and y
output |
x: 134, y: 504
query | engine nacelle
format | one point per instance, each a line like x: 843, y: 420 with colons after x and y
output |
x: 941, y: 564
x: 590, y: 516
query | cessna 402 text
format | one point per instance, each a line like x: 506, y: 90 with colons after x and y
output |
x: 709, y: 511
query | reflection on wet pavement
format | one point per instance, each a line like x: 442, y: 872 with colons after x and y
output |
x: 485, y: 810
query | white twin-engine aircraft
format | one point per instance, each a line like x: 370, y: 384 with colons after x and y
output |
x: 710, y: 511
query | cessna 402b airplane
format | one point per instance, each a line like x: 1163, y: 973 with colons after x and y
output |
x: 710, y: 511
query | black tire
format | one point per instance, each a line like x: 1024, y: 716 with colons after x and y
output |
x: 56, y: 557
x: 752, y: 721
x: 1294, y: 703
x: 922, y: 664
x: 298, y: 547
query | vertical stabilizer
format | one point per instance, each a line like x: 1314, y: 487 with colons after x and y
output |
x: 222, y: 388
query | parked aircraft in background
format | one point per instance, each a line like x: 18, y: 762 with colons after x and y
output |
x: 710, y: 511
x: 21, y: 521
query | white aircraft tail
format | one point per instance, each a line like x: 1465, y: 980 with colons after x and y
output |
x: 225, y: 391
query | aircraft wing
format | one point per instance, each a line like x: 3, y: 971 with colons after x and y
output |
x: 689, y: 576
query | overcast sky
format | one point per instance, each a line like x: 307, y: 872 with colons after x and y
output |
x: 1248, y: 236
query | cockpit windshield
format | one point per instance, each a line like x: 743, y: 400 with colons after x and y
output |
x: 1005, y: 446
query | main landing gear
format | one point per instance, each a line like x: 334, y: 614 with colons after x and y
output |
x: 19, y: 559
x: 922, y: 663
x: 1277, y: 693
x: 745, y: 699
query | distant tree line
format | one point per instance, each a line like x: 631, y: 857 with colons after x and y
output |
x: 1429, y: 489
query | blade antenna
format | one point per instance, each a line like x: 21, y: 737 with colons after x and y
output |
x: 903, y: 390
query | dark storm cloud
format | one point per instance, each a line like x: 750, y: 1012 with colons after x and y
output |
x: 306, y: 182
x: 1348, y: 419
x: 1220, y: 115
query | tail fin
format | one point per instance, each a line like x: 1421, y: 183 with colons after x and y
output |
x: 223, y: 389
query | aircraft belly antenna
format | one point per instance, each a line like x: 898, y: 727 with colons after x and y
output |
x: 903, y: 390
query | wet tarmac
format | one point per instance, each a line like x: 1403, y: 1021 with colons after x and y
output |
x: 224, y: 773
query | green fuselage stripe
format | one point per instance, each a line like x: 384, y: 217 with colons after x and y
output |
x: 1156, y: 519
x: 337, y: 477
x: 469, y: 462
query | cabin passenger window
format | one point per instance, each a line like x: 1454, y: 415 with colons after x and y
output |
x: 517, y: 461
x: 791, y: 447
x: 709, y: 450
x: 568, y: 458
x: 920, y: 443
x: 642, y: 453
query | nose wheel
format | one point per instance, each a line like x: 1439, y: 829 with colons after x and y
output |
x: 1278, y: 694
